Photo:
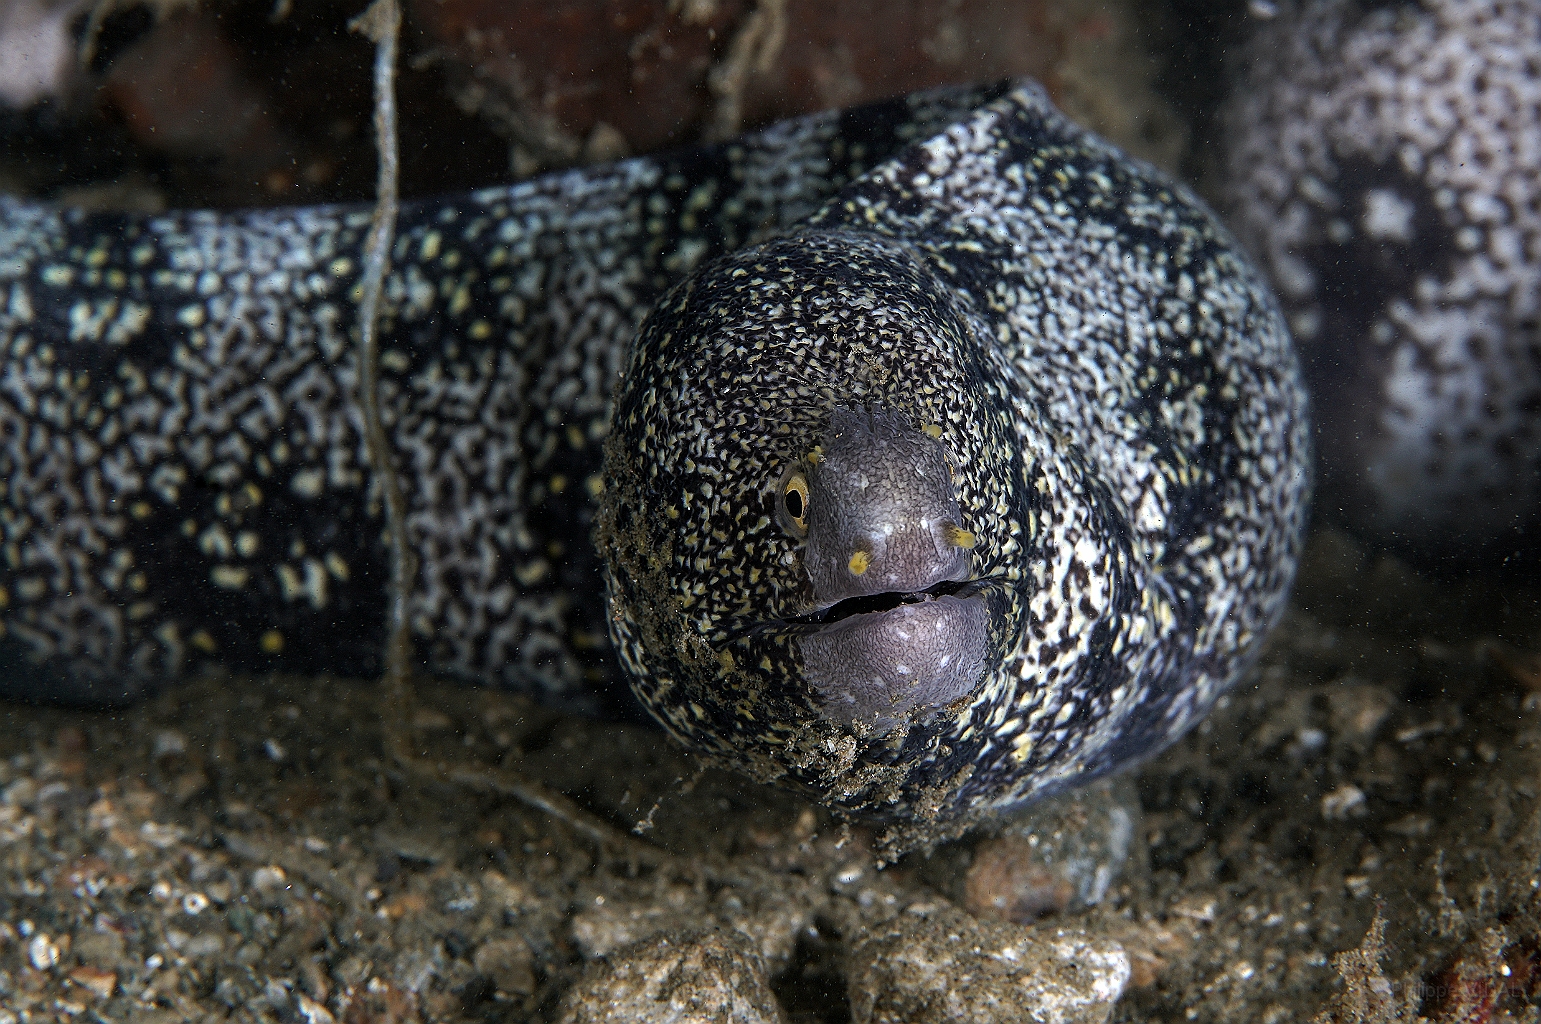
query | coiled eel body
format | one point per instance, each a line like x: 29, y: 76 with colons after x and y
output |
x: 960, y: 457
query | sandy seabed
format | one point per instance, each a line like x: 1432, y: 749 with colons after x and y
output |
x: 1355, y: 832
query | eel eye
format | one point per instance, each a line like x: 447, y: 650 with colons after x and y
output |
x: 794, y: 503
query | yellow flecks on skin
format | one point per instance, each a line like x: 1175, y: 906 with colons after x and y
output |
x: 672, y: 512
x: 141, y: 610
x: 58, y: 276
x: 140, y: 509
x: 431, y: 243
x: 5, y: 598
x: 190, y: 316
x: 1022, y: 748
x: 336, y: 566
x: 272, y: 642
x: 480, y: 330
x: 531, y: 573
x: 230, y: 577
x: 31, y: 589
x: 341, y: 267
x: 96, y: 258
x: 558, y: 484
x: 310, y: 585
x: 859, y: 562
x: 575, y: 437
x: 189, y: 527
x: 958, y: 537
x: 246, y: 544
x: 931, y: 430
x: 253, y: 493
x: 395, y: 360
x: 460, y: 301
x: 817, y: 455
x: 725, y: 659
x: 215, y: 542
x: 137, y: 582
x: 289, y: 582
x: 595, y: 485
x: 203, y: 641
x: 307, y: 483
x: 133, y: 322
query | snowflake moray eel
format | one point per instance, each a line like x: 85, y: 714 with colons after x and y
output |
x: 929, y: 456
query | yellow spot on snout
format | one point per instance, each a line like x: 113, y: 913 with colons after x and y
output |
x: 859, y: 562
x: 203, y: 641
x: 272, y: 642
x: 931, y: 430
x: 958, y: 537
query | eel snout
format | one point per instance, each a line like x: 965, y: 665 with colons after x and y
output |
x: 888, y: 556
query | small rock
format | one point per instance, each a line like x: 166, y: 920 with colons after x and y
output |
x: 1347, y: 801
x: 508, y: 962
x: 98, y: 982
x: 769, y: 924
x: 1057, y: 855
x: 705, y: 977
x: 934, y: 964
x: 43, y: 952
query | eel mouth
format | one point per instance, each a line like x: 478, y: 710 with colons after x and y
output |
x: 871, y: 603
x: 821, y: 619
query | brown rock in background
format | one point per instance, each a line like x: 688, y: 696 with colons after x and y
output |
x: 179, y: 89
x: 580, y: 80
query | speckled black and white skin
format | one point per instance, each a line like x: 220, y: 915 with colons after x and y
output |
x: 181, y: 449
x: 1097, y: 390
x: 1385, y: 166
x: 1118, y: 401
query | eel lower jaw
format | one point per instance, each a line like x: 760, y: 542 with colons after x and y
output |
x: 881, y: 662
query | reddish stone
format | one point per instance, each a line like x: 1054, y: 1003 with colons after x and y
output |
x: 179, y: 91
x: 1008, y: 881
x: 586, y: 79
